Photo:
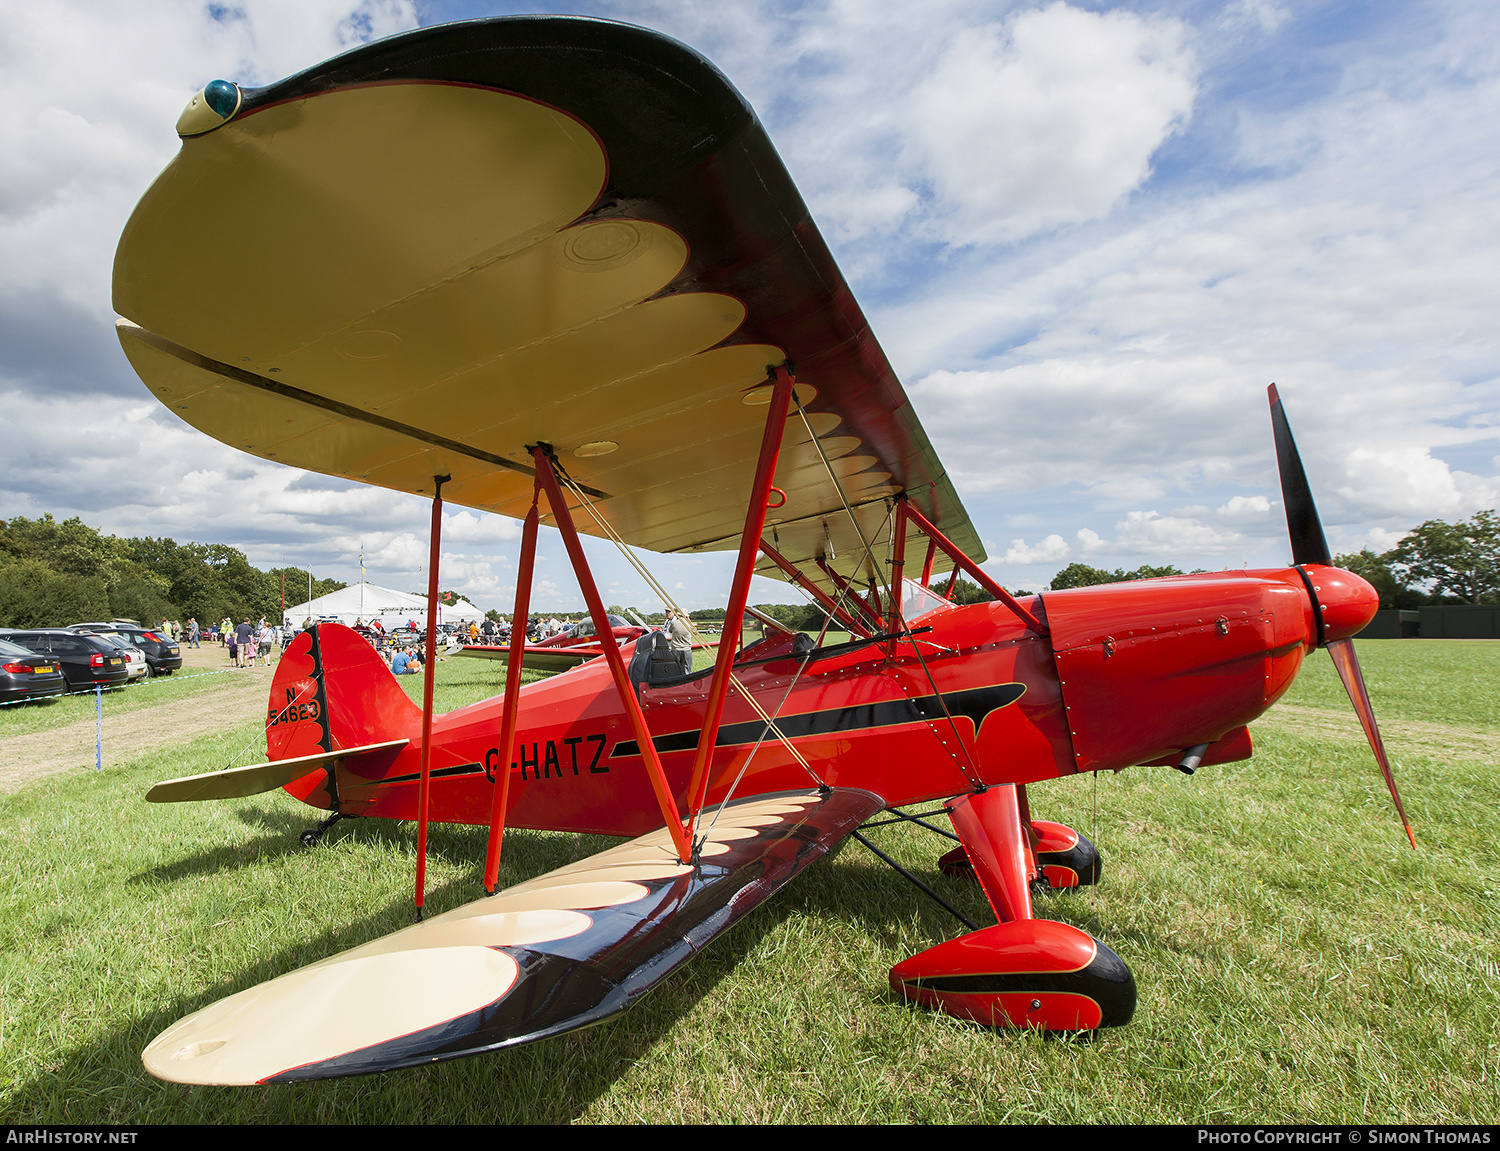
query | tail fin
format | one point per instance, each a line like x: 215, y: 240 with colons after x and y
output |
x: 332, y: 691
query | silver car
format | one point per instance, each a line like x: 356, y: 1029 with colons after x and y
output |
x: 139, y: 668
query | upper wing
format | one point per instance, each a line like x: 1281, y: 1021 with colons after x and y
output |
x: 565, y: 950
x: 424, y: 255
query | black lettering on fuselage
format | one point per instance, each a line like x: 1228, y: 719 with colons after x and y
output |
x: 532, y: 762
x: 309, y: 711
x: 594, y: 767
x: 546, y: 763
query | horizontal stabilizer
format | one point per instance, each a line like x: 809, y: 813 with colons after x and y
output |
x: 252, y: 779
x: 562, y: 951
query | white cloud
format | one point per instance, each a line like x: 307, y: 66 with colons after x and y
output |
x: 1050, y: 550
x: 1152, y: 534
x: 1049, y: 118
x: 1090, y: 543
x: 1242, y: 508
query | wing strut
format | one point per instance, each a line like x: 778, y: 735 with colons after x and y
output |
x: 927, y: 563
x: 430, y: 656
x: 783, y: 383
x: 829, y: 605
x: 850, y: 594
x: 628, y: 698
x: 512, y: 688
x: 963, y: 561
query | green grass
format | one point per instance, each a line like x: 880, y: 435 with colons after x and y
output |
x: 1432, y: 681
x: 1296, y: 961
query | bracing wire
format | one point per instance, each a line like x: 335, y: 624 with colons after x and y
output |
x: 843, y: 498
x: 271, y: 721
x: 970, y: 771
x: 655, y: 585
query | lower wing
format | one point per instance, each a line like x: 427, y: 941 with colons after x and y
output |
x: 562, y: 951
x: 536, y: 658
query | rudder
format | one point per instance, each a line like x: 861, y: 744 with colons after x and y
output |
x: 331, y: 691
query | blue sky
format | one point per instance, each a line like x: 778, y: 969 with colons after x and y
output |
x: 1087, y: 234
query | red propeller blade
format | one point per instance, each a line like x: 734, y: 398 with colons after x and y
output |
x: 1347, y: 663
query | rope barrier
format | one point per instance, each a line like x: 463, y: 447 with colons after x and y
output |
x: 158, y: 680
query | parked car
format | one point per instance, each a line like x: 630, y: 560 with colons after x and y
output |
x: 139, y: 668
x: 86, y: 660
x: 26, y: 675
x: 163, y: 655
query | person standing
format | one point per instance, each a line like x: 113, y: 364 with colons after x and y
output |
x: 192, y: 632
x: 680, y: 640
x: 242, y: 636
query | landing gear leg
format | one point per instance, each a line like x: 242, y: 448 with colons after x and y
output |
x: 1022, y: 972
x: 312, y: 835
x: 1064, y: 860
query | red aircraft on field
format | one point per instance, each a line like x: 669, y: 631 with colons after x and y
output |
x: 553, y: 268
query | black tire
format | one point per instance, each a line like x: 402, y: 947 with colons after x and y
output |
x: 1082, y: 859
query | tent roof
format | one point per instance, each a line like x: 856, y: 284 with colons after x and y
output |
x: 348, y: 601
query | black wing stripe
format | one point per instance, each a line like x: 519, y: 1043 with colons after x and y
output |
x: 975, y: 703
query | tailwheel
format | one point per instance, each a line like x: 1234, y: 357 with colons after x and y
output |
x: 1026, y: 973
x: 312, y: 835
x: 1066, y: 858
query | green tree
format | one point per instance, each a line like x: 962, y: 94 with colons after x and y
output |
x: 1081, y: 575
x: 34, y: 595
x: 1460, y: 560
x: 1376, y: 570
x: 60, y: 573
x: 797, y: 616
x: 966, y: 592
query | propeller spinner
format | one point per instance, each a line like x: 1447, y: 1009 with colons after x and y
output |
x: 1342, y: 602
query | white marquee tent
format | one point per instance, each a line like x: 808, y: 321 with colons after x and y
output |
x: 368, y: 602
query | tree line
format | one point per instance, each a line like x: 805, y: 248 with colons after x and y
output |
x: 1434, y: 563
x: 54, y: 574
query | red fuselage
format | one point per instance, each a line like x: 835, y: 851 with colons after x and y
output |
x: 1127, y: 674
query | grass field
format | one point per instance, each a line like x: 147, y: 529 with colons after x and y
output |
x: 1296, y: 960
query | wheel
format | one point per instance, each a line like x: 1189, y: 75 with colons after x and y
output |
x: 1066, y: 858
x: 309, y: 838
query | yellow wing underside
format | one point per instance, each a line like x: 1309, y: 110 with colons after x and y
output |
x: 392, y: 283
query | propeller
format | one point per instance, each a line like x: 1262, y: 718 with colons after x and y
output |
x: 1309, y: 545
x: 1335, y: 600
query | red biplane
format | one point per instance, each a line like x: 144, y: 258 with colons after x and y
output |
x: 570, y: 647
x: 553, y: 268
